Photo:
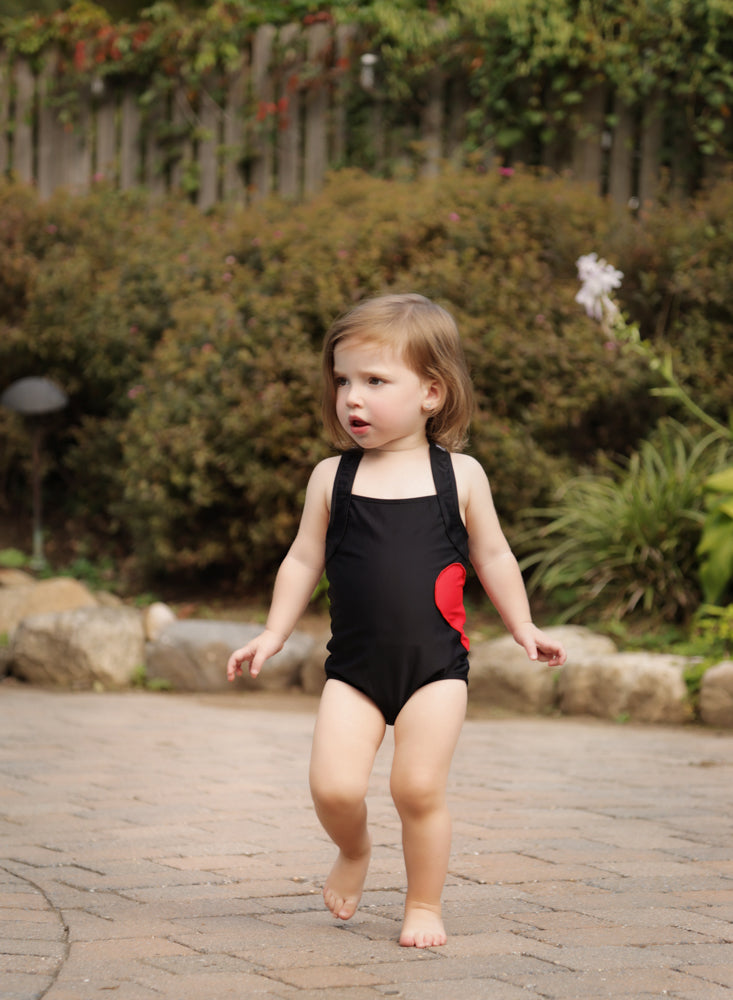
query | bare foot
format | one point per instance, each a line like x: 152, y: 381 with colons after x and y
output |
x: 422, y: 928
x: 345, y: 884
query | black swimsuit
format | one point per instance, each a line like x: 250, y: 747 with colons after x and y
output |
x: 396, y: 570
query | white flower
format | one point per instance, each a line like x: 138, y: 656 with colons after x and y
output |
x: 598, y: 279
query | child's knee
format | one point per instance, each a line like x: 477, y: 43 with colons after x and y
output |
x: 336, y: 795
x: 416, y: 793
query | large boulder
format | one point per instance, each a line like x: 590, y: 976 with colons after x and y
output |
x: 503, y: 675
x: 22, y: 599
x: 82, y: 648
x: 644, y: 687
x: 192, y: 656
x: 716, y: 695
x: 157, y: 617
x: 15, y: 577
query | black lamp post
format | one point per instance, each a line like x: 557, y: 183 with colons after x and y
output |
x: 34, y: 397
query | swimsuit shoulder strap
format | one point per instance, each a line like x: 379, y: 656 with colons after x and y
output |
x: 341, y: 498
x: 445, y: 486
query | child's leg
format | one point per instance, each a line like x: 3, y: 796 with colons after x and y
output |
x: 426, y: 734
x: 349, y: 730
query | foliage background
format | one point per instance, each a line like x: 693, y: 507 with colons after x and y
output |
x: 522, y: 68
x: 189, y: 343
x: 189, y: 346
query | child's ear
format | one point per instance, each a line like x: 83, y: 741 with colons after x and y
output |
x: 434, y: 396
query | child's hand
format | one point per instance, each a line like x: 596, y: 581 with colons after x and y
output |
x: 540, y: 646
x: 261, y: 648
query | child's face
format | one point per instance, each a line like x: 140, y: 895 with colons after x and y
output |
x: 380, y: 401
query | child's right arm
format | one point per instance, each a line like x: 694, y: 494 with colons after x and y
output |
x: 300, y: 571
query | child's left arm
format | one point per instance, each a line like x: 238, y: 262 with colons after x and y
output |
x: 496, y: 565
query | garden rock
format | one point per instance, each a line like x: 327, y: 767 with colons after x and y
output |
x: 156, y: 618
x: 192, y: 656
x: 503, y: 675
x: 83, y: 648
x: 716, y: 695
x: 15, y: 578
x: 644, y: 687
x: 43, y: 597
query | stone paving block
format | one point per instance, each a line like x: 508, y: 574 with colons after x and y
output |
x: 604, y: 985
x: 86, y: 926
x: 26, y: 898
x: 25, y: 964
x: 484, y: 943
x: 700, y: 990
x: 141, y: 828
x: 220, y: 987
x: 25, y: 986
x: 88, y: 989
x: 465, y: 989
x: 328, y: 977
x: 41, y: 918
x: 52, y: 951
x: 516, y: 867
x: 23, y: 929
x: 717, y: 974
x: 341, y: 993
x: 618, y: 937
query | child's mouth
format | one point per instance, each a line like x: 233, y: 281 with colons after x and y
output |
x: 357, y: 424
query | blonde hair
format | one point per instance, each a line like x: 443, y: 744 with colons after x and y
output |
x: 426, y: 337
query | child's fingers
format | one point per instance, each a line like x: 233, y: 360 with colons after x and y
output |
x: 235, y: 661
x: 554, y: 655
x: 530, y: 649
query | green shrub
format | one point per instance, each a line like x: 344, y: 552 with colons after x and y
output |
x: 716, y: 543
x: 218, y: 448
x: 189, y: 344
x: 626, y: 541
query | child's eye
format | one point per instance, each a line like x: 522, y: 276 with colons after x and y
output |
x: 340, y: 381
x: 375, y: 380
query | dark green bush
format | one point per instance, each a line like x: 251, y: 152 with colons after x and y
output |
x: 625, y: 541
x: 189, y: 344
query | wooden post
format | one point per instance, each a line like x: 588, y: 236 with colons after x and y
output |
x: 262, y: 93
x: 106, y: 166
x: 288, y: 128
x: 77, y: 149
x: 345, y: 35
x: 650, y: 147
x: 181, y: 116
x: 316, y: 115
x: 23, y: 160
x: 51, y: 138
x: 208, y: 151
x: 587, y: 148
x: 622, y: 156
x: 130, y: 142
x: 233, y: 188
x: 458, y: 104
x: 155, y: 177
x: 556, y: 149
x: 4, y: 114
x: 432, y: 125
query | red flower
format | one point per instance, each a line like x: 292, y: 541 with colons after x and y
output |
x: 80, y: 57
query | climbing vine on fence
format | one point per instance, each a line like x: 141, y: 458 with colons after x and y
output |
x: 526, y: 64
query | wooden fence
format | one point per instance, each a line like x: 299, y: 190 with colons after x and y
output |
x: 262, y: 136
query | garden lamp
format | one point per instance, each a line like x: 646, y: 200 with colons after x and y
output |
x: 34, y: 397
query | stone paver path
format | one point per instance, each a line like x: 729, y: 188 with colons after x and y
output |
x: 160, y: 846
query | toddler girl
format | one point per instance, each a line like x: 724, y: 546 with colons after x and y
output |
x: 394, y: 521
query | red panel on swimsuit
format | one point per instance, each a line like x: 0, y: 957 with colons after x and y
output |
x: 449, y: 598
